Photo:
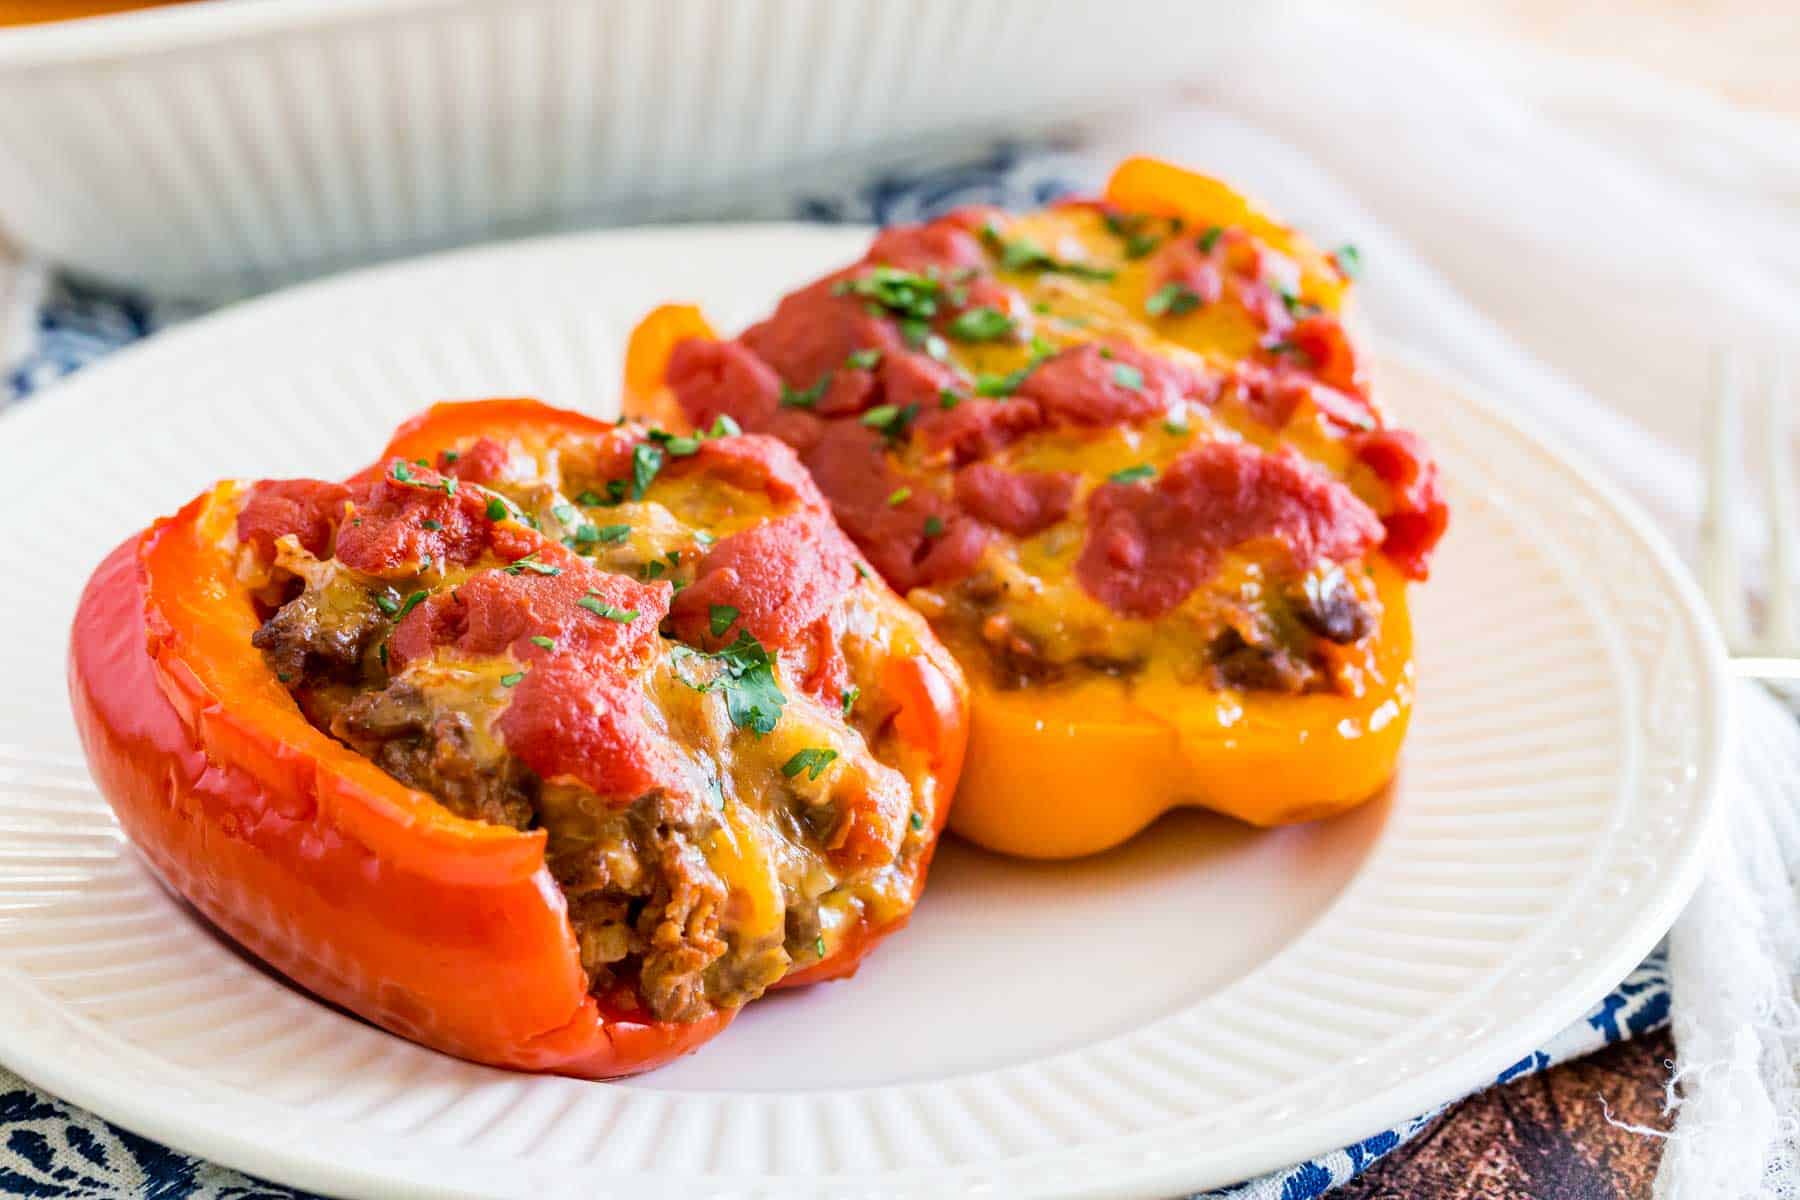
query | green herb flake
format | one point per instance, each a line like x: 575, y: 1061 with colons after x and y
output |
x: 284, y: 677
x: 862, y: 571
x: 1023, y: 254
x: 1209, y: 239
x: 720, y: 618
x: 413, y: 601
x: 512, y: 678
x: 589, y: 499
x: 1135, y: 474
x: 704, y: 537
x: 948, y: 399
x: 812, y: 761
x: 653, y: 569
x: 1001, y: 385
x: 819, y: 945
x: 611, y: 612
x: 881, y: 416
x: 542, y: 642
x: 496, y: 509
x: 431, y: 524
x: 381, y: 653
x: 612, y: 535
x: 899, y: 496
x: 646, y: 461
x: 918, y: 821
x: 1128, y: 376
x: 806, y: 398
x: 1172, y: 300
x: 753, y: 699
x: 450, y: 456
x: 981, y: 325
x: 1176, y: 422
x: 864, y: 360
x: 850, y: 695
x: 450, y: 490
x: 386, y: 603
x: 530, y: 563
x: 724, y: 426
x: 1349, y: 261
x: 934, y: 526
x: 1139, y: 245
x: 902, y: 293
x: 682, y: 447
x: 402, y: 472
x: 563, y: 512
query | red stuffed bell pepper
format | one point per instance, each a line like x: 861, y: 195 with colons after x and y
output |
x: 551, y: 755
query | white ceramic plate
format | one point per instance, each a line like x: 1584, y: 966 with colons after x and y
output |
x: 1203, y: 1005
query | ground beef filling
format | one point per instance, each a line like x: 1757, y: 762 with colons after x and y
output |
x: 645, y: 905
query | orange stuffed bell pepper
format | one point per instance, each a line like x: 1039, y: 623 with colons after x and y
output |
x: 552, y: 758
x: 1124, y: 457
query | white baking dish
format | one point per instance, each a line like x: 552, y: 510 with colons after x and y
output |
x: 209, y: 147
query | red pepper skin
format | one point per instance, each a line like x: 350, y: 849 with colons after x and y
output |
x: 362, y: 891
x: 297, y: 863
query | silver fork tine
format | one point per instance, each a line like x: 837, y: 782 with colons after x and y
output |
x: 1721, y: 575
x: 1779, y: 631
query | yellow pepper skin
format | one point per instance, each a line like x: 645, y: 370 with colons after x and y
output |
x: 1125, y: 726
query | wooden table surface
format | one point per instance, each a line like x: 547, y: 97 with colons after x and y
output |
x: 1545, y: 1137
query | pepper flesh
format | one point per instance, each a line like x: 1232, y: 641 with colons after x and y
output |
x: 366, y: 892
x: 1072, y: 768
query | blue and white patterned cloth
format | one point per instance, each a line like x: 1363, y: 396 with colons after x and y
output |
x: 51, y: 1149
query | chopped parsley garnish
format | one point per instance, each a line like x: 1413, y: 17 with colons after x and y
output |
x: 812, y: 761
x: 899, y: 496
x: 611, y: 612
x: 450, y: 490
x: 386, y: 603
x: 1001, y: 385
x: 1128, y: 376
x: 1209, y: 239
x: 284, y: 677
x: 512, y: 678
x: 724, y: 426
x: 413, y: 601
x: 981, y: 325
x: 1285, y: 347
x: 864, y: 360
x: 402, y: 472
x: 563, y: 512
x: 646, y: 461
x: 381, y: 653
x: 612, y: 535
x: 424, y: 563
x: 542, y: 642
x: 530, y: 563
x: 948, y: 399
x: 892, y: 420
x: 792, y: 398
x: 850, y: 695
x: 653, y: 569
x: 1176, y: 422
x: 1023, y: 254
x: 450, y: 456
x: 720, y: 617
x: 903, y: 293
x: 674, y: 557
x: 1133, y: 474
x: 862, y: 572
x: 934, y: 526
x: 819, y: 945
x: 753, y: 700
x: 431, y: 524
x: 1137, y: 245
x: 589, y: 499
x: 1349, y: 261
x: 918, y: 821
x: 1172, y: 300
x: 496, y: 509
x: 704, y: 537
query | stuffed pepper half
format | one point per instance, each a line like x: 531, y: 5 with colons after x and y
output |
x: 1124, y: 456
x: 546, y: 743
